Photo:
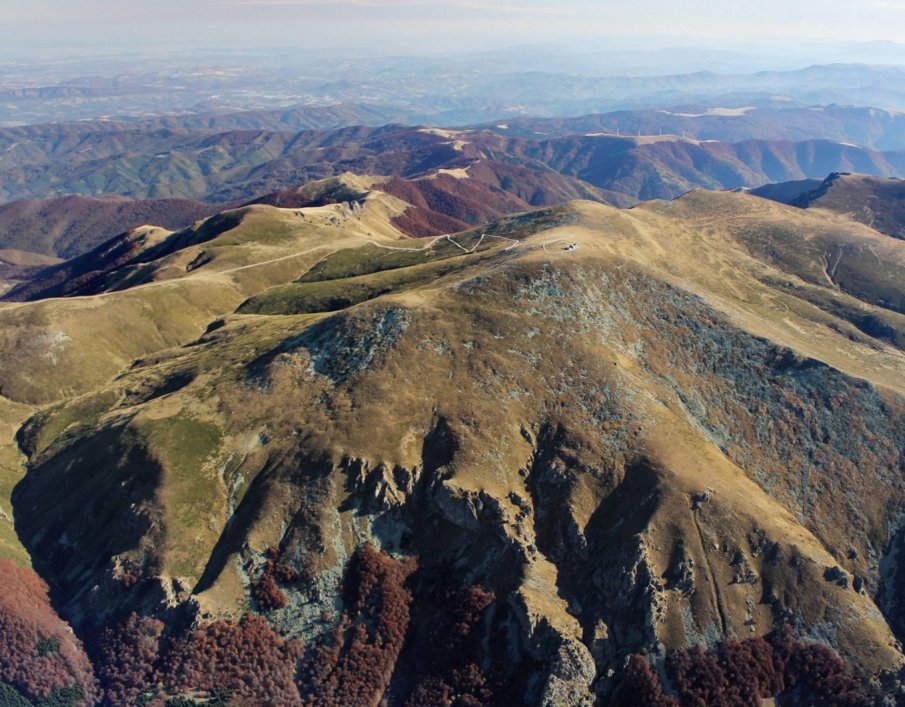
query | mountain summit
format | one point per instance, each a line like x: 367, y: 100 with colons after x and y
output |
x: 577, y: 455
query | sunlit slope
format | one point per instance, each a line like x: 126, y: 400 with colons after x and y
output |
x: 167, y: 292
x: 641, y: 428
x: 12, y: 469
x: 873, y: 201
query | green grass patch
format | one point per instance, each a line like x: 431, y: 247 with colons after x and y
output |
x: 11, y: 472
x: 521, y: 226
x: 260, y: 228
x: 351, y: 277
x: 191, y: 490
x: 69, y: 420
x: 368, y: 259
x: 333, y: 295
x: 851, y: 264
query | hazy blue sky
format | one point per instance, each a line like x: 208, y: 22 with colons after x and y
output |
x: 413, y: 25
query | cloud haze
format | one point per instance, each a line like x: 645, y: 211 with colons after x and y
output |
x: 415, y: 25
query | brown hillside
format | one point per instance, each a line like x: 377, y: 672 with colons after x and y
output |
x: 879, y: 203
x: 73, y: 225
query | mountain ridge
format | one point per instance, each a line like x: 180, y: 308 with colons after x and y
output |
x: 242, y: 165
x: 595, y: 432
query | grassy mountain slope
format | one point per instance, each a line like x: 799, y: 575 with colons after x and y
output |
x: 455, y: 199
x: 195, y: 275
x: 786, y: 192
x: 879, y: 203
x: 633, y: 430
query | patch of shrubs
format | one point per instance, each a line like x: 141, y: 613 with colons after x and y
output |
x: 461, y: 650
x: 742, y: 674
x: 127, y: 658
x: 640, y: 686
x: 356, y: 666
x: 48, y: 645
x: 181, y: 701
x: 266, y: 591
x: 246, y: 662
x: 11, y: 697
x: 248, y: 658
x: 448, y: 668
x: 240, y: 663
x: 67, y: 697
x: 39, y: 655
x: 267, y: 595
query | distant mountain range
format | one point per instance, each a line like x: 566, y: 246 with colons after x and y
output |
x: 447, y: 91
x: 772, y: 120
x: 869, y: 127
x: 57, y: 160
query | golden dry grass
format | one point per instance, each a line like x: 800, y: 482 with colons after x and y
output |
x: 585, y: 327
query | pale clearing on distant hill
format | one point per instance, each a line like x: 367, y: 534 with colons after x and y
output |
x: 457, y: 173
x: 450, y: 134
x: 651, y: 139
x: 719, y: 112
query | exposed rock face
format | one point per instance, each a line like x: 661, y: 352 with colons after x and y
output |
x: 571, y: 675
x: 341, y: 346
x: 836, y: 575
x: 680, y: 573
